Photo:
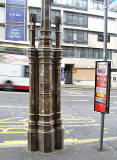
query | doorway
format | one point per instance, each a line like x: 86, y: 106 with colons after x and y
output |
x: 68, y: 73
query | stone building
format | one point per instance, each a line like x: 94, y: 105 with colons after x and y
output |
x: 81, y: 33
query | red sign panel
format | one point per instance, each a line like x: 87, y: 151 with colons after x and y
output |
x: 102, y: 86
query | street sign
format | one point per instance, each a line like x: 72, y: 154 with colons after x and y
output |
x: 111, y: 1
x: 102, y: 86
x: 112, y: 5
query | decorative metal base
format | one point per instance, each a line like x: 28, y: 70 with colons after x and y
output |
x: 32, y: 141
x: 59, y: 139
x: 46, y: 141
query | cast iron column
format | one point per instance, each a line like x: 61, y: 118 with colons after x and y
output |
x: 57, y: 87
x: 33, y: 78
x: 46, y: 131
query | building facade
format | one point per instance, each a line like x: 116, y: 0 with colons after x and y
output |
x: 82, y: 30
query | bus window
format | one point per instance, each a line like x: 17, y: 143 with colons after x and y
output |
x: 26, y: 71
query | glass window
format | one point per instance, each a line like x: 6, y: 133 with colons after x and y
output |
x: 100, y: 37
x: 69, y: 19
x: 64, y: 2
x: 36, y: 11
x: 80, y: 4
x: 95, y: 53
x: 114, y: 78
x: 85, y: 37
x: 37, y: 34
x: 75, y: 22
x: 91, y: 53
x: 75, y: 53
x: 109, y: 54
x: 80, y: 52
x: 80, y: 36
x: 70, y: 3
x: 96, y: 4
x: 57, y: 1
x: 76, y: 19
x: 64, y: 52
x: 26, y: 71
x: 100, y: 54
x: 85, y: 20
x: 54, y: 13
x: 74, y: 3
x: 86, y: 53
x: 80, y: 20
x: 53, y: 34
x: 75, y: 36
x: 69, y: 35
x: 52, y: 16
x: 70, y: 52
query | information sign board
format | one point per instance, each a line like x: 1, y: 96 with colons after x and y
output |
x: 20, y: 2
x: 15, y: 15
x: 112, y: 5
x: 102, y: 86
x: 15, y: 33
x: 111, y: 1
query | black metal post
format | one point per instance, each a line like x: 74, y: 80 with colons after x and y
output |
x: 105, y: 54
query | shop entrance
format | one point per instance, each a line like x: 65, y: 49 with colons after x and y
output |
x: 68, y: 73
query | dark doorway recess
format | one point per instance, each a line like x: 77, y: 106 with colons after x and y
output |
x: 68, y: 73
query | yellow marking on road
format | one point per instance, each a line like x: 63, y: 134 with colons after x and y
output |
x: 68, y: 131
x: 79, y: 141
x: 10, y: 130
x: 75, y: 140
x: 8, y: 119
x: 7, y: 143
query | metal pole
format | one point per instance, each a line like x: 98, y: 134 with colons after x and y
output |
x: 101, y: 132
x: 105, y: 30
x: 105, y: 54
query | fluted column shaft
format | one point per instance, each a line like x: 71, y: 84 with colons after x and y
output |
x: 33, y: 83
x: 57, y: 87
x: 46, y: 132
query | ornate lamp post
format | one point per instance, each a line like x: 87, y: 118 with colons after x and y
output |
x: 45, y: 131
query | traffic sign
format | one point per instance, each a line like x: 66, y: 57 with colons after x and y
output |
x: 111, y: 1
x: 102, y: 86
x: 112, y: 5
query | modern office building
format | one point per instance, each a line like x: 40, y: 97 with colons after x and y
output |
x: 82, y: 27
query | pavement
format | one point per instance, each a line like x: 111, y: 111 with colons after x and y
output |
x: 71, y: 151
x: 87, y: 151
x: 82, y: 86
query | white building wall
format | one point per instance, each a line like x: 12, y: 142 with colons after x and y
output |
x: 2, y: 15
x: 95, y: 24
x: 2, y: 1
x: 34, y: 3
x: 2, y: 33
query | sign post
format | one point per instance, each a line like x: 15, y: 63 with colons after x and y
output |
x: 102, y: 88
x: 102, y: 92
